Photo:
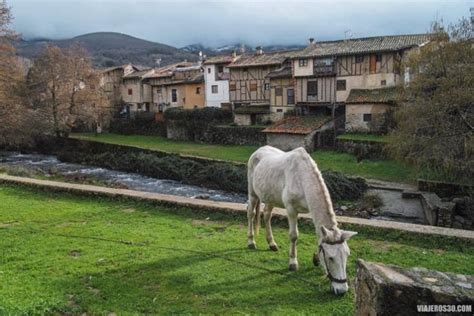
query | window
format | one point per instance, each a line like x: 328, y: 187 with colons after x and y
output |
x: 147, y: 107
x: 232, y: 86
x: 341, y: 85
x: 312, y: 88
x: 290, y: 94
x: 378, y: 58
x: 359, y: 59
x: 130, y: 91
x: 174, y: 95
x: 323, y: 66
x: 214, y: 89
x: 245, y: 69
x: 220, y: 69
x: 383, y: 82
x: 267, y: 86
x: 278, y: 91
x: 139, y: 106
x: 198, y: 90
x: 303, y: 62
x: 367, y: 117
x: 279, y: 110
x: 158, y: 90
x: 253, y: 86
x: 209, y: 70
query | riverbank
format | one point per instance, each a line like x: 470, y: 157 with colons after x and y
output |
x: 70, y: 254
x: 387, y: 170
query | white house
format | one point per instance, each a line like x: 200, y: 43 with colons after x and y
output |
x: 216, y: 78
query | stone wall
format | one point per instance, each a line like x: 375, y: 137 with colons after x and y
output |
x: 235, y: 135
x: 392, y: 290
x: 362, y: 149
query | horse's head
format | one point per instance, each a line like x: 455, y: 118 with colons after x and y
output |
x: 333, y: 253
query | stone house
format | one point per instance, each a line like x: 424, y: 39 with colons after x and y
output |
x: 111, y: 81
x: 136, y: 94
x: 216, y: 79
x: 177, y: 85
x: 325, y: 73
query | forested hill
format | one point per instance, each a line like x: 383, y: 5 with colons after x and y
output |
x: 109, y: 49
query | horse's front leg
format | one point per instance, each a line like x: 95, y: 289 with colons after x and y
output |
x: 293, y: 223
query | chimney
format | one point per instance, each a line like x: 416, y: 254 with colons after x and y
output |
x: 234, y: 54
x: 258, y: 50
x: 311, y: 41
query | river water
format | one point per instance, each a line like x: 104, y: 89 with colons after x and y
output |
x: 46, y: 164
x: 395, y: 208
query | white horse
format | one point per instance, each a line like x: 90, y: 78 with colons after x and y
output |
x: 292, y: 180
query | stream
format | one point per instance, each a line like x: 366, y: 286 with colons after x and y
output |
x: 394, y: 209
x: 51, y: 165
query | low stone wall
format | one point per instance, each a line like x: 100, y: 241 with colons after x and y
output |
x: 444, y: 189
x: 392, y: 290
x: 362, y: 149
x: 235, y: 135
x: 138, y: 127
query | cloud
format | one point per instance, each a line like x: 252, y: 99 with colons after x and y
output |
x: 214, y: 23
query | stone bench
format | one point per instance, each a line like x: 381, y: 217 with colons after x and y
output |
x: 392, y: 290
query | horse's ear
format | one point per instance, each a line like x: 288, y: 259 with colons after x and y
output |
x: 346, y: 235
x: 324, y: 232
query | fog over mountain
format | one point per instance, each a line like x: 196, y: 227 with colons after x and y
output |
x: 218, y: 23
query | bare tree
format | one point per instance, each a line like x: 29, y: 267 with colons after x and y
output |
x: 435, y: 124
x: 66, y: 87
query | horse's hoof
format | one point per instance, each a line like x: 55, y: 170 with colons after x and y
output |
x: 315, y: 260
x: 293, y: 267
x: 252, y: 246
x: 273, y: 247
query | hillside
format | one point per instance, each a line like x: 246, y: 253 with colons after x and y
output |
x: 110, y: 49
x: 227, y: 49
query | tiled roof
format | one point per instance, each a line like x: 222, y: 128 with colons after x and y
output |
x: 301, y: 125
x: 384, y: 95
x: 252, y: 60
x: 222, y: 59
x: 167, y: 71
x: 283, y: 72
x: 199, y: 78
x: 116, y: 68
x: 137, y: 74
x: 363, y: 45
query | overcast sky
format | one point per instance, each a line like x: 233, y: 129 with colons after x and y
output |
x: 213, y: 23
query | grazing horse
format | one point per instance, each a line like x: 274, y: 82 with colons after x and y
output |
x: 292, y: 180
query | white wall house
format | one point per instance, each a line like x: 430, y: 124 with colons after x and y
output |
x: 216, y: 78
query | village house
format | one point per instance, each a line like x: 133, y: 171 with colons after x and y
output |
x: 177, y: 85
x: 216, y: 78
x: 333, y: 78
x: 136, y: 94
x: 111, y: 80
x: 256, y: 80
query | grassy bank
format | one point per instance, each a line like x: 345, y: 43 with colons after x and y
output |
x: 364, y: 137
x: 387, y: 170
x: 65, y: 254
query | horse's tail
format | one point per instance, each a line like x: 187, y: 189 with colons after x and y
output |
x: 256, y: 219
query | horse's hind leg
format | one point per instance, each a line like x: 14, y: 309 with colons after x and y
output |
x: 253, y: 204
x: 267, y: 217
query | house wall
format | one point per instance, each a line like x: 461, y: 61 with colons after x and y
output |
x: 210, y: 79
x: 368, y: 81
x: 326, y: 89
x: 355, y: 115
x: 303, y: 71
x: 243, y: 79
x: 192, y: 99
x: 133, y: 84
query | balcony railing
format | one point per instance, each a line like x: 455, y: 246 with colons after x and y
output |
x: 324, y: 70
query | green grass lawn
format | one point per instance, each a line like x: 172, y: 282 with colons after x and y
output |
x: 364, y: 137
x: 387, y: 170
x: 66, y: 254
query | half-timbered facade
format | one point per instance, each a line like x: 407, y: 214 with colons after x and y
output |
x: 326, y: 72
x: 111, y: 81
x: 250, y: 85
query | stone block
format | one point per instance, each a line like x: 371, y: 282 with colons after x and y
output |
x: 392, y: 290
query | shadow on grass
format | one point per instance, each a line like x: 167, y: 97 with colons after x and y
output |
x: 180, y: 283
